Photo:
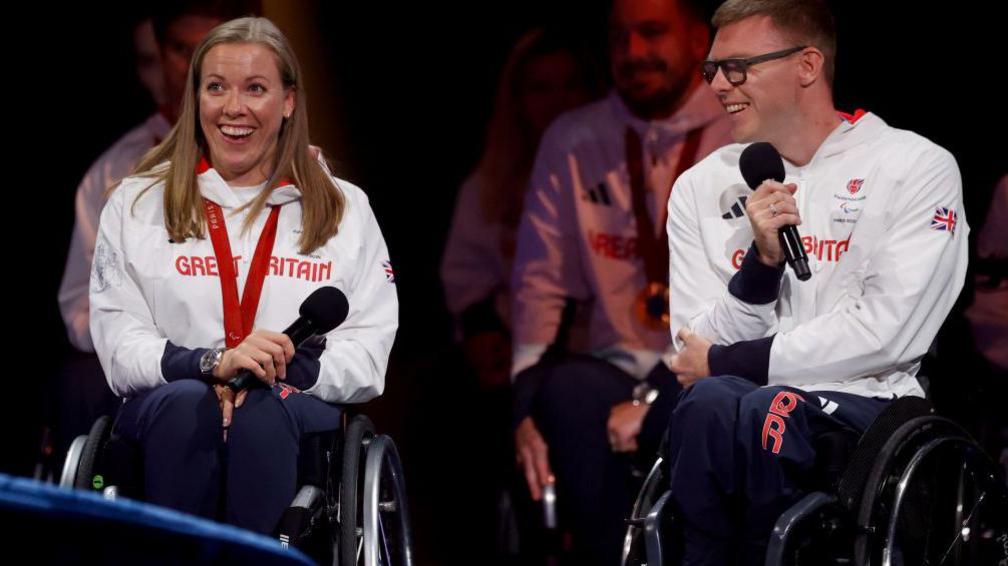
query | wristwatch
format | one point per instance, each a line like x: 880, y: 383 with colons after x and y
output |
x: 210, y: 360
x: 644, y: 394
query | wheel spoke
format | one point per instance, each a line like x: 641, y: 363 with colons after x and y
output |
x: 959, y: 531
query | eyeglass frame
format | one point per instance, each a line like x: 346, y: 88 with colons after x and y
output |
x: 743, y: 64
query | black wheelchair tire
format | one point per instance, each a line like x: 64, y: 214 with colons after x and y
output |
x: 97, y: 436
x: 358, y: 433
x: 872, y: 515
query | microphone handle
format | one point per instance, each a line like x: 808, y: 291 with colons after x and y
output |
x: 301, y: 330
x: 794, y: 252
x: 243, y: 380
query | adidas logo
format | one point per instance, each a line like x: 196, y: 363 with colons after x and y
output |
x: 598, y: 195
x: 737, y: 209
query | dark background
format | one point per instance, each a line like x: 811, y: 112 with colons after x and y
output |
x: 399, y: 100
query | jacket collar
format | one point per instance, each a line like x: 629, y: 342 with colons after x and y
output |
x: 215, y: 188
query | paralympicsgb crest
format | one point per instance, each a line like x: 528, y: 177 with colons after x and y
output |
x: 854, y: 185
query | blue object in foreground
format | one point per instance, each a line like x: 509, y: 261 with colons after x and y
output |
x: 44, y: 524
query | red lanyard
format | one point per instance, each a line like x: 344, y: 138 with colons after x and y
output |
x: 239, y: 316
x: 654, y: 247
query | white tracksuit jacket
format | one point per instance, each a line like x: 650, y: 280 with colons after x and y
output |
x: 886, y: 267
x: 146, y: 291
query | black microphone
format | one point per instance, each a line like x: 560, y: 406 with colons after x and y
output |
x: 759, y: 162
x: 325, y: 309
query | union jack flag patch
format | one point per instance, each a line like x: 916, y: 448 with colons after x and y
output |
x: 944, y: 219
x: 389, y: 274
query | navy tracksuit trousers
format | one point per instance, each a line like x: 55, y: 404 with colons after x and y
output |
x: 737, y: 456
x: 247, y: 481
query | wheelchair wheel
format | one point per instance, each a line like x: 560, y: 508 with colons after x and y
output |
x: 634, y: 541
x: 86, y: 476
x: 70, y: 463
x: 359, y: 434
x: 388, y: 540
x: 933, y: 497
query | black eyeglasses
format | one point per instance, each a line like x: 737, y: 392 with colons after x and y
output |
x: 735, y: 69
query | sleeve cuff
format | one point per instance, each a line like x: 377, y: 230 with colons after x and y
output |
x: 755, y: 282
x: 524, y: 357
x: 749, y: 359
x: 303, y: 371
x: 181, y: 363
x: 178, y: 362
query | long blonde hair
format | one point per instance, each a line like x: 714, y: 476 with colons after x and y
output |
x: 322, y: 202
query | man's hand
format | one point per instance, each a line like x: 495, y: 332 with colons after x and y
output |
x: 625, y: 424
x: 770, y: 207
x: 690, y: 364
x: 533, y: 456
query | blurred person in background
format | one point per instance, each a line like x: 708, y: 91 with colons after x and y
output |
x: 592, y: 234
x: 544, y: 75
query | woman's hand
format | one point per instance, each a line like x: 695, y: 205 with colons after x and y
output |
x: 264, y: 353
x: 228, y: 402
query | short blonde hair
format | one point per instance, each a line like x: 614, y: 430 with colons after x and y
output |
x: 805, y: 22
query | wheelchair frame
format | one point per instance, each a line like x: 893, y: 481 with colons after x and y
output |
x: 377, y: 532
x: 872, y: 495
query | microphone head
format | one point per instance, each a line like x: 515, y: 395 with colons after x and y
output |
x: 326, y: 308
x: 759, y: 162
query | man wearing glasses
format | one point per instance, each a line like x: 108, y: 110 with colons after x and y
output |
x: 770, y: 362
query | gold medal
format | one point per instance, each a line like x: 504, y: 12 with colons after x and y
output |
x: 652, y: 306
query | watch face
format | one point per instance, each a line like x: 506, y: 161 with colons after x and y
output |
x: 209, y: 360
x: 644, y: 393
x: 651, y: 396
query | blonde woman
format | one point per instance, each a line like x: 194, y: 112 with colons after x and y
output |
x: 234, y: 201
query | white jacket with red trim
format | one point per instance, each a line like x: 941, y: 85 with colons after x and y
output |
x: 117, y: 162
x: 886, y: 235
x: 146, y: 291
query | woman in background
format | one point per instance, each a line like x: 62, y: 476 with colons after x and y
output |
x: 541, y: 78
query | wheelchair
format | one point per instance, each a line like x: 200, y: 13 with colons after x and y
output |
x: 914, y: 489
x: 350, y: 508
